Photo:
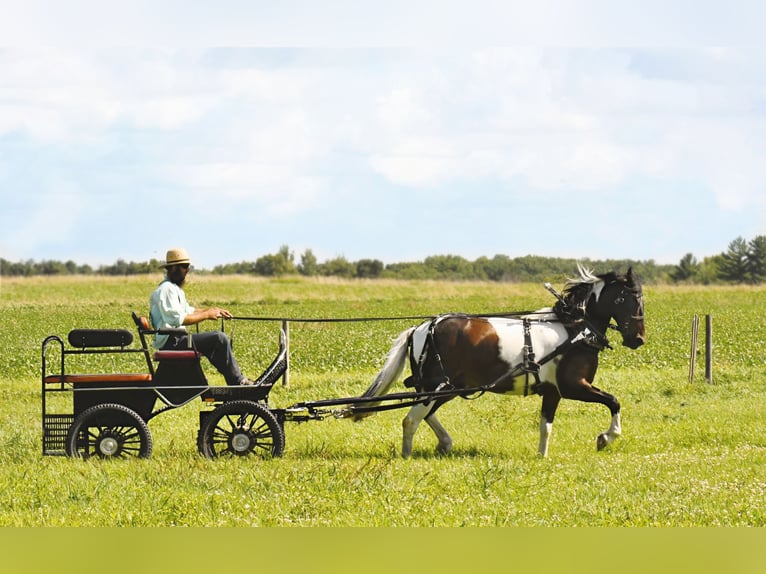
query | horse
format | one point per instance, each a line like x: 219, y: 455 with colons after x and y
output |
x: 552, y: 353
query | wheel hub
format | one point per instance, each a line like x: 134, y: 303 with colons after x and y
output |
x: 240, y: 442
x: 109, y: 446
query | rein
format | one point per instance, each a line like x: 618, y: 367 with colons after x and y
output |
x: 396, y: 318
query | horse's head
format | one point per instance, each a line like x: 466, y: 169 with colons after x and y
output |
x: 623, y: 300
x: 611, y: 296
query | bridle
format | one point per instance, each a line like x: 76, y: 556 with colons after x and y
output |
x: 620, y: 300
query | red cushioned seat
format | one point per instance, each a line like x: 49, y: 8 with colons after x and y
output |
x: 91, y: 378
x: 176, y: 355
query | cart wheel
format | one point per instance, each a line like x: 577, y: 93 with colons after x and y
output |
x: 109, y: 431
x: 240, y: 428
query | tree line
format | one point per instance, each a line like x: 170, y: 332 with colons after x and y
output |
x: 743, y: 262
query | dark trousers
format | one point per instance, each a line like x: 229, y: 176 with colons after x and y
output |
x: 216, y: 346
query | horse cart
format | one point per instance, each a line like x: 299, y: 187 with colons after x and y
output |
x: 107, y: 414
x: 552, y: 353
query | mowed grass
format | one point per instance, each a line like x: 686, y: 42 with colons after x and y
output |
x: 691, y: 454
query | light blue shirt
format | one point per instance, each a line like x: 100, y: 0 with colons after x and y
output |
x: 167, y: 309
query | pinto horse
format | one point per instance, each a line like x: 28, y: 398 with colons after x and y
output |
x: 552, y: 352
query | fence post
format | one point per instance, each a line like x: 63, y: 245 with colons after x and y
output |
x: 693, y: 352
x: 286, y: 375
x: 709, y: 348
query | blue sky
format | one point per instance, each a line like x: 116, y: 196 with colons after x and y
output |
x: 368, y: 144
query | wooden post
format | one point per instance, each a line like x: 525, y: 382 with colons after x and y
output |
x: 286, y: 376
x: 693, y: 353
x: 709, y: 348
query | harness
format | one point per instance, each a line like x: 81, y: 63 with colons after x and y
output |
x: 580, y: 331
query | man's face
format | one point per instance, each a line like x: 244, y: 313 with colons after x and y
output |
x: 177, y: 273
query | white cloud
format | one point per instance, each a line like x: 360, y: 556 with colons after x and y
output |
x: 287, y: 132
x: 264, y: 188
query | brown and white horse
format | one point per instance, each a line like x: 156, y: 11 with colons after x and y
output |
x: 552, y: 353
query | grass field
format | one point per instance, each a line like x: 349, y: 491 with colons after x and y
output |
x: 690, y: 455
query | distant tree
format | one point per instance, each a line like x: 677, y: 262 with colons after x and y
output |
x: 308, y: 264
x: 686, y: 269
x: 495, y: 269
x: 756, y: 259
x: 241, y: 268
x: 278, y: 264
x: 709, y: 270
x: 407, y: 270
x: 733, y: 265
x: 369, y: 268
x: 450, y: 266
x: 337, y: 267
x: 52, y: 268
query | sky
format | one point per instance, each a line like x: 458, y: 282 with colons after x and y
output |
x: 472, y: 129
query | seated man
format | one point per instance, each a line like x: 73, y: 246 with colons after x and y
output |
x: 169, y: 310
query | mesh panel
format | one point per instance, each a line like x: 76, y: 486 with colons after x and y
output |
x: 55, y: 429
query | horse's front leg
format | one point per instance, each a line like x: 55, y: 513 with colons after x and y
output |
x: 584, y: 391
x: 575, y: 375
x: 411, y: 423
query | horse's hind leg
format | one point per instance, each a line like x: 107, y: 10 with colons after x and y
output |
x: 610, y: 435
x: 411, y: 423
x: 551, y: 399
x: 445, y: 440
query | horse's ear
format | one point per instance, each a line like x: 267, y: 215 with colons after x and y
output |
x: 631, y: 276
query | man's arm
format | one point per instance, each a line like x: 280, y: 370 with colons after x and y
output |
x: 211, y: 314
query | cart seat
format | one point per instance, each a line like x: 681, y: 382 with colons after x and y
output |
x: 144, y: 328
x: 171, y: 355
x: 96, y: 378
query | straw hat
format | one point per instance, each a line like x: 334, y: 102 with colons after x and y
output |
x: 177, y: 256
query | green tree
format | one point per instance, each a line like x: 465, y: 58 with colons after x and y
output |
x: 369, y: 268
x: 756, y: 259
x: 337, y: 267
x: 686, y: 269
x: 495, y: 269
x: 308, y: 264
x: 733, y: 265
x: 450, y: 266
x: 277, y: 264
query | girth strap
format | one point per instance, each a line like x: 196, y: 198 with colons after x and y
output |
x: 529, y: 366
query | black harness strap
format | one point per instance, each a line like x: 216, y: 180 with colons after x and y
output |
x: 529, y: 366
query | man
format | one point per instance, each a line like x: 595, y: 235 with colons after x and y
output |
x: 169, y: 310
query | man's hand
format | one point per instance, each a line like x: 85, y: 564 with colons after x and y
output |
x: 216, y: 313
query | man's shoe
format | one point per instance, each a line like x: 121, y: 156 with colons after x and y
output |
x: 248, y: 383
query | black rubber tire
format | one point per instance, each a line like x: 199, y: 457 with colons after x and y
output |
x: 241, y: 428
x: 109, y: 431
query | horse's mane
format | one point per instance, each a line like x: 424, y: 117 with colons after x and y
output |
x: 577, y: 290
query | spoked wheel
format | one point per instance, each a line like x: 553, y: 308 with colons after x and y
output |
x: 109, y: 431
x: 241, y: 428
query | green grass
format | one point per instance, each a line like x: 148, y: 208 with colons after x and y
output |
x: 690, y: 455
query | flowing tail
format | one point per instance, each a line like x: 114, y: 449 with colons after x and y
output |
x: 391, y: 370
